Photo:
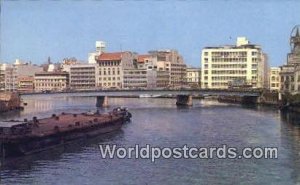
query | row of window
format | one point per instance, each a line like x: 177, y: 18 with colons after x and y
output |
x: 109, y: 78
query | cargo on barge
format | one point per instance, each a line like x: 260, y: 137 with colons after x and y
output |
x: 26, y: 137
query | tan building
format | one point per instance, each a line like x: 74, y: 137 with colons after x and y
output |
x: 111, y: 68
x: 26, y: 84
x: 10, y: 78
x: 240, y: 65
x: 51, y: 81
x: 289, y: 72
x: 172, y: 62
x: 83, y: 76
x: 2, y: 77
x: 274, y: 79
x: 297, y: 80
x: 145, y: 74
x: 12, y: 73
x: 193, y: 76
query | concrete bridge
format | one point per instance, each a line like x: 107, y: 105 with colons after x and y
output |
x: 184, y: 96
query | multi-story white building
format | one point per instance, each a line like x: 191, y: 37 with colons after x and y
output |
x: 100, y: 48
x: 274, y: 81
x: 242, y: 64
x: 51, y: 81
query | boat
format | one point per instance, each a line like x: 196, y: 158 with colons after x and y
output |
x: 148, y: 96
x: 19, y: 138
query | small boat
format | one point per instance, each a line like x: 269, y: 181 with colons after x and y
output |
x: 148, y: 96
x: 26, y: 137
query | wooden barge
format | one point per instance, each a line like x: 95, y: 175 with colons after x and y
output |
x: 26, y: 137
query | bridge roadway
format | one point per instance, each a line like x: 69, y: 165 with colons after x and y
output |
x: 192, y: 92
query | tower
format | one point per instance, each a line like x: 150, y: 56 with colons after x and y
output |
x: 100, y: 46
x: 294, y: 55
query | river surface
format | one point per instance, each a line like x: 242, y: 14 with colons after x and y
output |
x: 160, y: 123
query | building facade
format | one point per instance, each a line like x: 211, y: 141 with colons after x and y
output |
x: 26, y: 84
x: 145, y: 74
x: 274, y: 81
x: 51, y: 81
x: 83, y: 76
x: 240, y: 65
x: 172, y: 62
x: 193, y: 76
x: 10, y: 78
x: 2, y: 77
x: 111, y: 68
x: 100, y: 48
x: 289, y: 72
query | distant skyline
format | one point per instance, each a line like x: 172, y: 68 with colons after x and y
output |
x: 34, y: 30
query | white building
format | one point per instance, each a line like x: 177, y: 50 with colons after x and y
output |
x: 242, y: 64
x: 100, y: 48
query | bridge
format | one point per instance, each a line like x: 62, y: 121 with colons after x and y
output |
x: 184, y: 96
x: 193, y: 92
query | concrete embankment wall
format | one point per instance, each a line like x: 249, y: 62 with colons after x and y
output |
x: 9, y: 101
x: 266, y: 98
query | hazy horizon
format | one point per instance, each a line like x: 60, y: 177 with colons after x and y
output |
x: 34, y: 30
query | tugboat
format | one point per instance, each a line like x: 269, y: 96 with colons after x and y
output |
x: 19, y: 138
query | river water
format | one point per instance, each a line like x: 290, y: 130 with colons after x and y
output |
x: 160, y: 123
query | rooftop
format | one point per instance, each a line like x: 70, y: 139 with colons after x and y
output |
x: 141, y: 58
x: 110, y: 56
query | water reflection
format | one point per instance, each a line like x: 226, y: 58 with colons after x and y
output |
x: 160, y: 123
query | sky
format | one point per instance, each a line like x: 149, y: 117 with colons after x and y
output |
x: 34, y: 30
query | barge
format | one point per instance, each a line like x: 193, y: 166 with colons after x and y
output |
x: 19, y: 138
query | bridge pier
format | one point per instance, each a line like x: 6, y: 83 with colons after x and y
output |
x: 101, y: 101
x: 184, y: 100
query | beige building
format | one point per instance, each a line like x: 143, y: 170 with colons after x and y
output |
x: 193, y: 76
x: 240, y: 65
x: 83, y: 76
x: 274, y: 79
x: 10, y: 78
x: 289, y: 72
x: 51, y: 81
x: 26, y: 84
x: 10, y: 74
x: 2, y: 77
x: 172, y: 62
x: 297, y: 80
x: 145, y: 74
x: 110, y: 73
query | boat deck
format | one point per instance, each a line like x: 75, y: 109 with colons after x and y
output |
x: 64, y: 122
